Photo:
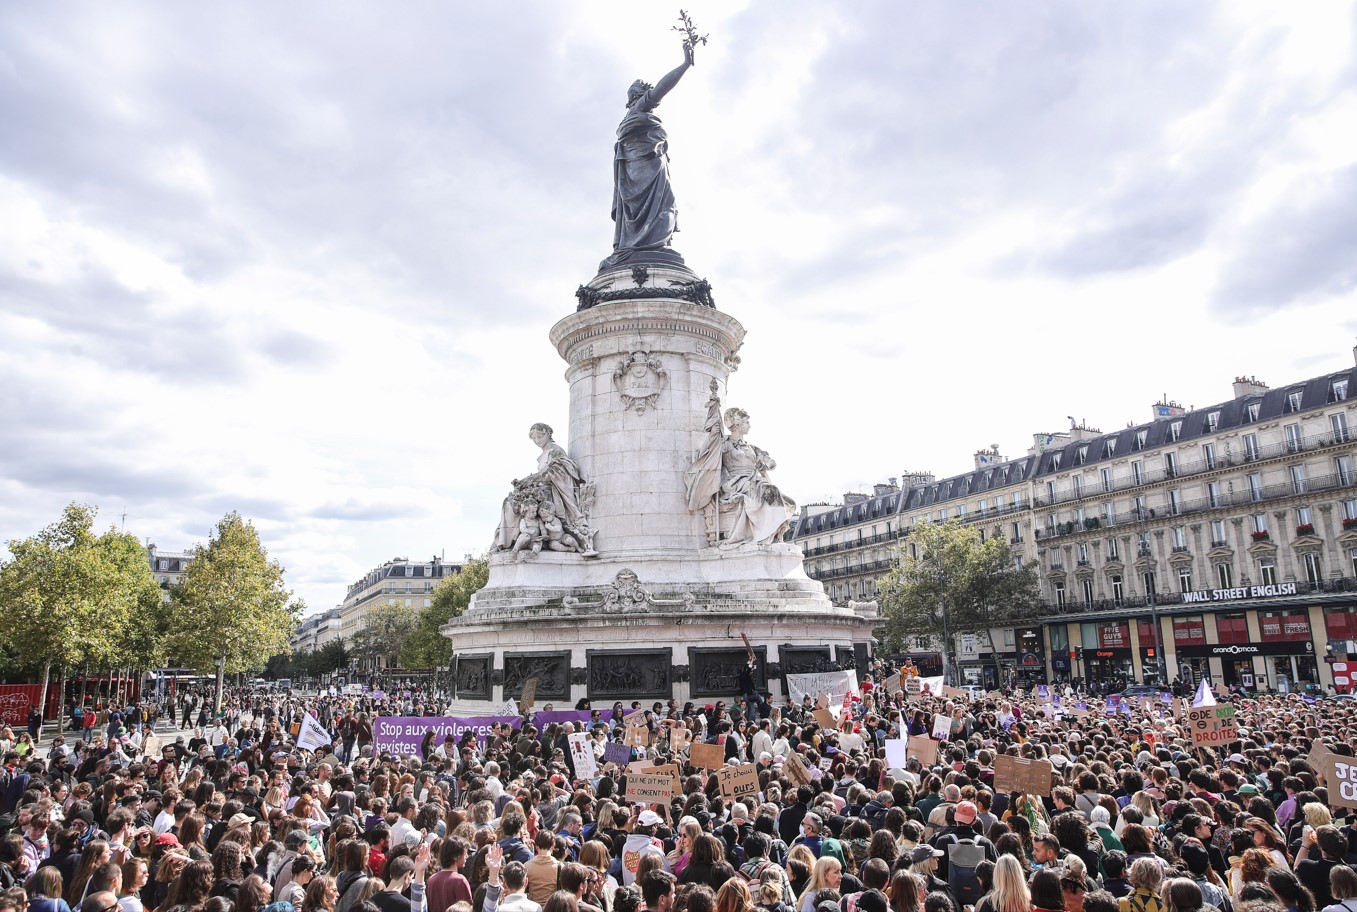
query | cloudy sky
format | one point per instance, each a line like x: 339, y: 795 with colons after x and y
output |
x: 300, y: 260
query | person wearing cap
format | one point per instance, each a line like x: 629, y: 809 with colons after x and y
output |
x: 962, y: 830
x: 923, y: 861
x: 640, y: 841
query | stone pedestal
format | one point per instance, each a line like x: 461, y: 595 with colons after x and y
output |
x: 657, y: 599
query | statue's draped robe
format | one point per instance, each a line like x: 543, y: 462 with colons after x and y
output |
x: 644, y: 214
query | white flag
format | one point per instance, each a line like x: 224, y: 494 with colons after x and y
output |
x: 312, y: 735
x: 1204, y: 696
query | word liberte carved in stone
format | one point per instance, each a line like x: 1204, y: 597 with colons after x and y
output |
x: 626, y: 593
x: 549, y: 509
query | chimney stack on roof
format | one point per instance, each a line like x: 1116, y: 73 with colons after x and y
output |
x: 1250, y: 386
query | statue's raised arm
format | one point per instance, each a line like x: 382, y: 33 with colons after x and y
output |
x: 645, y: 216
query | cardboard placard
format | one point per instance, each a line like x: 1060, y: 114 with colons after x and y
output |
x: 615, y: 752
x: 649, y: 788
x: 680, y: 739
x: 794, y: 768
x: 942, y: 727
x: 924, y: 748
x: 1340, y: 774
x: 528, y: 696
x: 1212, y: 726
x: 634, y: 719
x: 707, y: 756
x: 634, y: 736
x: 738, y: 782
x: 659, y: 769
x: 1014, y: 774
x: 824, y: 718
x: 951, y: 693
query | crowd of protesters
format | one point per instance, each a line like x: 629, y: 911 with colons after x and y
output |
x: 229, y: 815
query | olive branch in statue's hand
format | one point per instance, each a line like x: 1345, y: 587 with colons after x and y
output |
x: 691, y: 39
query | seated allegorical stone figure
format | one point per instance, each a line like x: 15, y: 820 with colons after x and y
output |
x: 729, y: 477
x: 550, y: 506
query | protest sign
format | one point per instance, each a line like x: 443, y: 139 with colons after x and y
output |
x: 650, y: 768
x: 582, y: 752
x: 924, y: 748
x: 707, y: 756
x: 1013, y: 774
x: 738, y: 782
x: 1340, y: 773
x: 826, y: 763
x: 1212, y: 725
x: 895, y: 752
x: 824, y: 718
x: 649, y: 788
x: 544, y: 718
x: 833, y: 683
x: 953, y: 693
x: 528, y: 696
x: 636, y: 736
x: 794, y: 768
x: 615, y: 752
x: 942, y: 727
x: 402, y: 734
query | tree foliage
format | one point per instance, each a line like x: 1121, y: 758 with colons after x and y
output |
x: 387, y: 631
x: 428, y: 648
x: 975, y: 582
x: 232, y: 611
x: 71, y: 598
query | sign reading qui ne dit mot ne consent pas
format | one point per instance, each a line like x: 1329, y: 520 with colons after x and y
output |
x: 402, y: 734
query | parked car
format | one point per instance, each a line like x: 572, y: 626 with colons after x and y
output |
x: 1143, y: 692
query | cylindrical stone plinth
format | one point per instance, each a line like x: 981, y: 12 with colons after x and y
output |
x: 640, y: 377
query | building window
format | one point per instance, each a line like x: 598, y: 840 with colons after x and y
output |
x: 1017, y: 534
x: 1217, y: 532
x: 1107, y: 479
x: 1189, y: 631
x: 1109, y: 513
x: 1212, y: 422
x: 1293, y: 401
x: 1079, y: 516
x: 1352, y: 561
x: 1118, y: 590
x: 1175, y: 502
x: 1088, y: 592
x: 1298, y: 479
x: 1179, y: 537
x: 1137, y: 471
x: 1147, y: 580
x: 1110, y: 448
x: 1050, y: 492
x: 1175, y: 430
x: 409, y: 570
x: 1078, y: 483
x: 1141, y: 436
x: 1251, y: 411
x: 1144, y: 544
x: 1232, y: 628
x: 1312, y: 566
x: 1255, y: 487
x: 1184, y: 580
x: 1213, y: 494
x: 1060, y: 595
x: 1338, y: 423
x: 1291, y: 625
x: 164, y: 565
x: 1251, y: 447
x: 1055, y: 461
x: 1170, y: 464
x: 1350, y: 509
x: 1303, y: 516
x: 1342, y: 467
x: 1083, y: 454
x: 1017, y: 500
x: 1209, y: 454
x: 1224, y: 576
x: 1338, y: 389
x: 1267, y: 572
x: 1112, y: 553
x: 1293, y: 438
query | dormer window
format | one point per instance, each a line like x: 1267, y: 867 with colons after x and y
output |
x: 1110, y: 448
x: 1141, y: 436
x: 1175, y: 430
x: 1055, y: 461
x: 1293, y: 401
x: 1212, y: 422
x: 1338, y: 389
x: 1083, y: 454
x: 1251, y: 410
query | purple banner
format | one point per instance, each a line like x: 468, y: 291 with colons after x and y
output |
x: 543, y: 719
x: 402, y: 734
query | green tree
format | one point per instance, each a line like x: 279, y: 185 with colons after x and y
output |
x: 428, y: 648
x: 956, y: 584
x: 143, y: 644
x: 333, y: 656
x: 232, y: 611
x: 386, y: 632
x: 70, y: 598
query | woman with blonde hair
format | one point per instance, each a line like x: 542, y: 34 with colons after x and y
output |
x: 827, y: 874
x: 802, y: 857
x: 1145, y: 878
x: 1149, y: 809
x: 1009, y: 892
x: 734, y: 897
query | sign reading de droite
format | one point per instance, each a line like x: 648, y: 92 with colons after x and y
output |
x: 402, y: 734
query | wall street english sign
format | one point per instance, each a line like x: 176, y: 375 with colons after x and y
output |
x: 1237, y: 593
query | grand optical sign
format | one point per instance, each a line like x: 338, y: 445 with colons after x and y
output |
x: 1241, y: 592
